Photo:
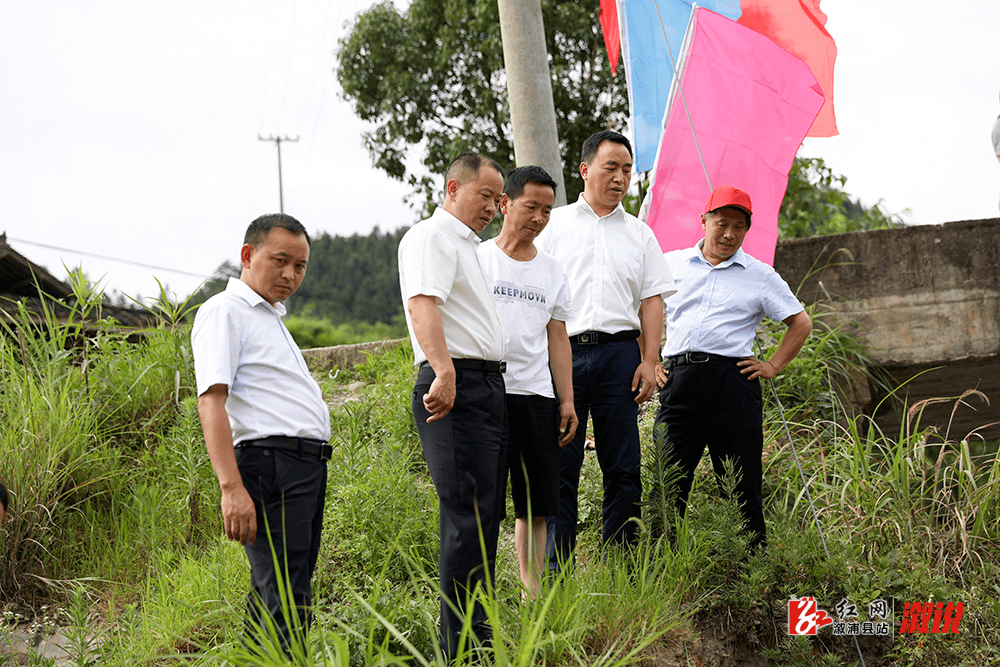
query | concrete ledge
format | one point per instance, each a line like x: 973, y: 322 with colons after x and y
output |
x: 345, y: 356
x: 921, y: 295
x: 926, y: 302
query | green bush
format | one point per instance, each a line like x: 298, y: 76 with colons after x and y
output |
x: 309, y: 332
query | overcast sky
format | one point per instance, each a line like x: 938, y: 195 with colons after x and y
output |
x: 129, y: 128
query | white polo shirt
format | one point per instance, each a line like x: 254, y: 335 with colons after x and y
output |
x: 612, y: 262
x: 239, y: 340
x: 528, y: 295
x: 437, y: 257
x: 717, y: 308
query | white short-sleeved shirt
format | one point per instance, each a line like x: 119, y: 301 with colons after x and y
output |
x: 528, y: 295
x: 437, y: 257
x: 612, y: 262
x: 717, y: 308
x: 239, y: 340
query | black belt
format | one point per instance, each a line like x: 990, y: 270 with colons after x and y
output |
x: 474, y: 365
x: 301, y: 445
x: 685, y: 358
x: 600, y: 337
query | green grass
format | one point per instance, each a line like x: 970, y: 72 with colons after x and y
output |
x: 115, y: 519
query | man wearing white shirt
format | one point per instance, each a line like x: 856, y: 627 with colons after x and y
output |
x: 458, y: 398
x: 618, y: 280
x: 265, y: 423
x: 711, y: 395
x: 532, y: 294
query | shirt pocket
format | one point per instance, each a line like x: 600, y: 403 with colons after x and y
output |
x: 626, y: 267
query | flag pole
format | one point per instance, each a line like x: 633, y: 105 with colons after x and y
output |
x: 679, y: 88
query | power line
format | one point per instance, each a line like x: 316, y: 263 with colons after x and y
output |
x: 291, y: 59
x: 277, y: 141
x: 267, y: 63
x: 112, y: 259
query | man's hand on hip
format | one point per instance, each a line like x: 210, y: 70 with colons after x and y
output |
x: 754, y: 368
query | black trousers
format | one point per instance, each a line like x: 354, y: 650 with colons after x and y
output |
x: 711, y: 404
x: 289, y: 491
x: 465, y: 452
x: 602, y: 389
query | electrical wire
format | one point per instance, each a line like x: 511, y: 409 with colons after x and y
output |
x: 111, y: 259
x: 291, y: 60
x: 267, y: 64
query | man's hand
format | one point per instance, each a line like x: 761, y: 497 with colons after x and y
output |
x: 568, y: 422
x: 799, y: 326
x: 644, y: 381
x: 429, y: 330
x: 239, y: 515
x: 440, y: 398
x: 662, y: 374
x: 755, y: 368
x: 238, y: 512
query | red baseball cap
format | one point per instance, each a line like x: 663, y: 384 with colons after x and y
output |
x: 727, y: 195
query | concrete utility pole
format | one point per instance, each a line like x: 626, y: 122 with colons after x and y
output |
x: 529, y: 89
x: 278, y: 140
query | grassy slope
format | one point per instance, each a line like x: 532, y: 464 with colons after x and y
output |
x: 116, y: 520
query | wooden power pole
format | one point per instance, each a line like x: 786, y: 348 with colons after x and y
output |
x: 277, y: 141
x: 529, y: 89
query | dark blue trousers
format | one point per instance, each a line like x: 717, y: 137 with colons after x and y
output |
x: 712, y: 404
x: 602, y: 389
x: 465, y: 453
x: 288, y: 490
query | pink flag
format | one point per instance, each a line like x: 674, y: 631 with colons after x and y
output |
x: 799, y: 26
x: 612, y: 38
x: 751, y: 103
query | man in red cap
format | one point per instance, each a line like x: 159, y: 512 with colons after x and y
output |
x: 710, y: 386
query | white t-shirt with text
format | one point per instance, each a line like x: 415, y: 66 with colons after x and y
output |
x: 528, y: 295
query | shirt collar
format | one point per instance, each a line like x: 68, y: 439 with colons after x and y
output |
x: 739, y: 257
x: 582, y: 203
x: 245, y: 292
x: 454, y: 225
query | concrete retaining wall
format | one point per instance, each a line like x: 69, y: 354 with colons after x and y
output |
x: 345, y: 356
x: 926, y: 299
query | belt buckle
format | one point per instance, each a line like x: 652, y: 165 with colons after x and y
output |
x: 588, y: 338
x: 697, y: 357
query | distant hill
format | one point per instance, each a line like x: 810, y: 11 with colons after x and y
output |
x: 349, y: 279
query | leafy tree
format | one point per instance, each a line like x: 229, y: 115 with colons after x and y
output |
x: 433, y: 76
x: 217, y: 283
x: 351, y: 279
x: 816, y: 205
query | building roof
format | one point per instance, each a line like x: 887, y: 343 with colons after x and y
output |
x: 19, y: 276
x: 21, y: 280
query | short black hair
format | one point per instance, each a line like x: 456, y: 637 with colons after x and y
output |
x: 466, y: 167
x: 4, y: 497
x: 259, y: 229
x: 513, y: 184
x: 593, y: 142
